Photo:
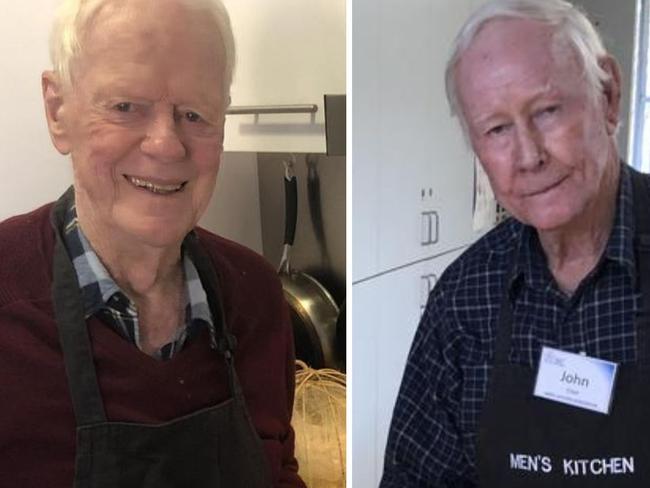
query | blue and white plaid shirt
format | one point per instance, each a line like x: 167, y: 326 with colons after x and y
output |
x: 104, y: 298
x: 432, y: 440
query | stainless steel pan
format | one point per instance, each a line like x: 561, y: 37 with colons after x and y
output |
x: 313, y: 310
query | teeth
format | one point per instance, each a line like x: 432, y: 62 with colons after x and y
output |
x: 153, y: 187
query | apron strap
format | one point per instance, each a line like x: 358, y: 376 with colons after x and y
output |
x: 73, y: 333
x: 221, y: 340
x: 641, y: 193
x: 505, y: 319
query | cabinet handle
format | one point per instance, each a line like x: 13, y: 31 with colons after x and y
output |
x: 430, y: 228
x: 427, y: 283
x: 271, y: 109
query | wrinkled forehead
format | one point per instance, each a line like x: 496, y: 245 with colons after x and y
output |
x: 503, y: 41
x: 508, y: 53
x: 143, y: 32
x: 150, y: 23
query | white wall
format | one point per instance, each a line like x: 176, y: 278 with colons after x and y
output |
x: 33, y: 173
x: 408, y: 158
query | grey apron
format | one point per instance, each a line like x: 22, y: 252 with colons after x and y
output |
x: 563, y: 446
x: 214, y: 447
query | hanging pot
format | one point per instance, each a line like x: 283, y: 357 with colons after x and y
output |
x: 313, y: 310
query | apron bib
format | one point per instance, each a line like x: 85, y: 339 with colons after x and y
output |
x: 525, y: 441
x: 214, y: 447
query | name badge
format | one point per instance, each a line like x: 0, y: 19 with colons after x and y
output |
x: 575, y: 379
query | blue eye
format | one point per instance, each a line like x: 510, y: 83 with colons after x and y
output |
x: 497, y: 130
x: 551, y: 110
x: 193, y: 117
x: 123, y: 107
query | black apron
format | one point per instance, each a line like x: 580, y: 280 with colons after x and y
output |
x: 525, y: 441
x: 214, y: 447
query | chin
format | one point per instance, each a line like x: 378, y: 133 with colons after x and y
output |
x: 158, y: 234
x: 548, y: 219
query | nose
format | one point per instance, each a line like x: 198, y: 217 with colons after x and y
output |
x: 162, y: 141
x: 530, y: 148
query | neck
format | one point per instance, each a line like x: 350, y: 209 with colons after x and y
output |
x: 139, y: 269
x: 574, y: 250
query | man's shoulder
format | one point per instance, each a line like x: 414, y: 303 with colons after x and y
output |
x: 17, y: 227
x: 489, y: 256
x: 235, y: 260
x: 25, y: 255
x: 465, y: 301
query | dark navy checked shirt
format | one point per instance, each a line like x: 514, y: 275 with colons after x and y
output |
x: 104, y: 298
x: 432, y: 439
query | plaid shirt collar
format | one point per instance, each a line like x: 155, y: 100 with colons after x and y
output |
x: 100, y: 292
x: 619, y: 249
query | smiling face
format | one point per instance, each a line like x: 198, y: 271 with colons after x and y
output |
x: 143, y: 120
x: 545, y: 142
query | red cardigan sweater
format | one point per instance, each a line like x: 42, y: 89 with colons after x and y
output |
x: 37, y: 424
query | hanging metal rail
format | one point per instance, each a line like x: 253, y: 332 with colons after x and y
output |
x: 272, y: 109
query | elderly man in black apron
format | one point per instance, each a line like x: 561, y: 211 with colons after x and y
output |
x: 138, y: 350
x: 530, y: 365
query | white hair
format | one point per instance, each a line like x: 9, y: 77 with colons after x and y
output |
x: 74, y: 16
x: 569, y: 23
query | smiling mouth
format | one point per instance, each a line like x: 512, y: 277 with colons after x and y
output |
x: 545, y: 189
x: 156, y: 188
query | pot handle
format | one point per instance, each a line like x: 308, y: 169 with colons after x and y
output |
x: 290, y: 215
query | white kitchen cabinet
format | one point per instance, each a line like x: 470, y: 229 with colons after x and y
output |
x: 395, y: 335
x: 412, y: 201
x: 412, y: 172
x: 288, y: 52
x: 366, y: 144
x: 386, y: 312
x: 366, y: 310
x: 433, y: 214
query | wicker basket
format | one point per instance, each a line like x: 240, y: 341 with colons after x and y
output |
x: 319, y: 422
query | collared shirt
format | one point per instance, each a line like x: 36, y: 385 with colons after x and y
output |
x: 432, y: 439
x: 103, y: 297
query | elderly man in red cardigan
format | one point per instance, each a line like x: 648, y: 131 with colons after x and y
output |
x: 139, y: 350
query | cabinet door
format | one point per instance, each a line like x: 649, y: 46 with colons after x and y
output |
x: 396, y: 331
x: 386, y: 312
x: 409, y: 155
x: 362, y: 389
x: 288, y: 52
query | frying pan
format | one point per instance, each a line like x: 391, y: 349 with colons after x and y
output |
x: 313, y: 310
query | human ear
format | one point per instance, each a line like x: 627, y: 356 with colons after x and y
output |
x: 611, y: 89
x: 54, y: 111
